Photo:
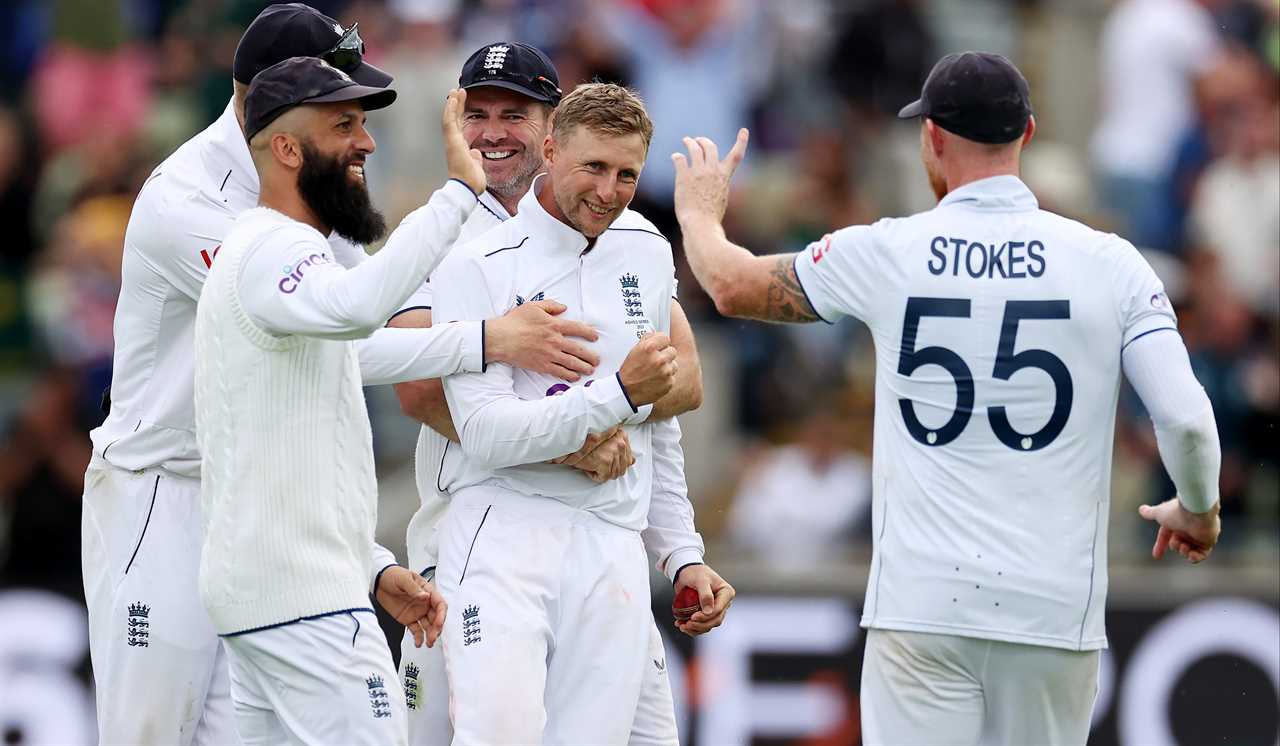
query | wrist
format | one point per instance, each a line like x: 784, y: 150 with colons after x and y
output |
x: 494, y: 341
x: 378, y: 578
x: 675, y: 577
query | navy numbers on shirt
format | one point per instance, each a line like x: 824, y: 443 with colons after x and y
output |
x: 1008, y: 260
x: 1007, y: 363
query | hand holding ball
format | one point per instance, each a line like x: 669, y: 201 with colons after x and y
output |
x: 686, y: 603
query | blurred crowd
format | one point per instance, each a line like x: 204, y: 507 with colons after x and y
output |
x: 1159, y: 119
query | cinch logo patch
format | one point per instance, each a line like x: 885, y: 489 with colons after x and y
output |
x: 293, y: 273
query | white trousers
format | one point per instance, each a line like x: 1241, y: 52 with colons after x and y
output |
x: 929, y: 690
x: 548, y: 630
x: 323, y: 680
x: 159, y: 668
x: 426, y: 691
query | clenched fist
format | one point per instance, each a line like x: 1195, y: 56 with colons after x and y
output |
x: 649, y: 370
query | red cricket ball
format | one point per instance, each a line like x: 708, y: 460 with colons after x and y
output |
x: 686, y: 603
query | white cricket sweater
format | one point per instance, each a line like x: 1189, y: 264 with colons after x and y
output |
x: 288, y: 484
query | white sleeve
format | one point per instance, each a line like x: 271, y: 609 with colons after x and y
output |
x: 496, y: 427
x: 319, y: 298
x: 399, y: 355
x: 1141, y: 303
x: 1159, y: 370
x: 380, y: 558
x: 421, y: 300
x: 671, y: 538
x: 840, y: 273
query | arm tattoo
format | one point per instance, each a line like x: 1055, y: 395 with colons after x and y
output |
x: 787, y: 301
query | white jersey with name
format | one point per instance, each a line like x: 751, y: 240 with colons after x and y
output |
x: 511, y: 420
x: 998, y: 330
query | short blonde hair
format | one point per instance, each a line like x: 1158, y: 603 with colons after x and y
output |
x: 604, y: 108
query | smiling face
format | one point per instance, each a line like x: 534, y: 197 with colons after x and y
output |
x: 331, y: 178
x: 593, y: 176
x: 507, y: 128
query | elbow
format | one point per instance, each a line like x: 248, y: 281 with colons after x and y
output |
x: 695, y: 390
x: 416, y: 400
x: 728, y: 302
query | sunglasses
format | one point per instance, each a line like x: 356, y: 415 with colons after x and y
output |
x: 348, y: 53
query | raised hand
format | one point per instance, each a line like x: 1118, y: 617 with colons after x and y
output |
x: 702, y: 179
x: 649, y: 370
x: 463, y: 162
x: 533, y: 337
x: 1193, y: 535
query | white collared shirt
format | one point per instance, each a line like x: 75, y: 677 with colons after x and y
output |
x: 511, y: 420
x: 670, y: 536
x: 998, y: 331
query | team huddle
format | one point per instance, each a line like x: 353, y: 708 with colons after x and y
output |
x: 530, y: 321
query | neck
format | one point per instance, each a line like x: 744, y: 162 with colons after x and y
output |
x: 547, y: 198
x: 961, y: 174
x: 291, y: 204
x: 510, y: 203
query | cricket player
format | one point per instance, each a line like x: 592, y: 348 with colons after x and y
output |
x: 1001, y: 331
x: 160, y: 670
x: 511, y: 89
x: 288, y: 490
x: 544, y: 563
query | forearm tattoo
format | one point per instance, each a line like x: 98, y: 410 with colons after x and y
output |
x: 787, y: 301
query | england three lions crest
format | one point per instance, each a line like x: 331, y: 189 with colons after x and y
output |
x: 633, y: 304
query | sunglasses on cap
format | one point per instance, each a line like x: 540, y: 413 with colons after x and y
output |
x: 348, y: 53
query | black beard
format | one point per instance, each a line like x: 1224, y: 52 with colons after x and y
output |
x: 336, y: 200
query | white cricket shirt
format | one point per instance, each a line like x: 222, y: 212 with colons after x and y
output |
x: 998, y: 330
x: 512, y: 420
x: 670, y: 536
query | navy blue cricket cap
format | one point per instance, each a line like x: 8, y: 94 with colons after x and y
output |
x: 304, y: 80
x: 514, y: 66
x: 287, y: 30
x: 977, y: 95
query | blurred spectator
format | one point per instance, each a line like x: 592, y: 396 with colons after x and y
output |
x: 424, y: 58
x: 1235, y: 210
x: 880, y: 58
x: 90, y: 79
x: 799, y: 504
x: 1154, y: 55
x: 43, y: 454
x: 678, y: 53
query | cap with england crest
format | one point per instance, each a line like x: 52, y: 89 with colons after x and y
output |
x: 514, y: 66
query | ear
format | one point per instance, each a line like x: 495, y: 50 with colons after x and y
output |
x: 548, y: 150
x: 1031, y: 131
x: 937, y: 138
x: 286, y: 149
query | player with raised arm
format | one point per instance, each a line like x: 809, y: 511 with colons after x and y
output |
x: 511, y: 91
x: 141, y: 519
x: 288, y: 490
x: 1001, y: 331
